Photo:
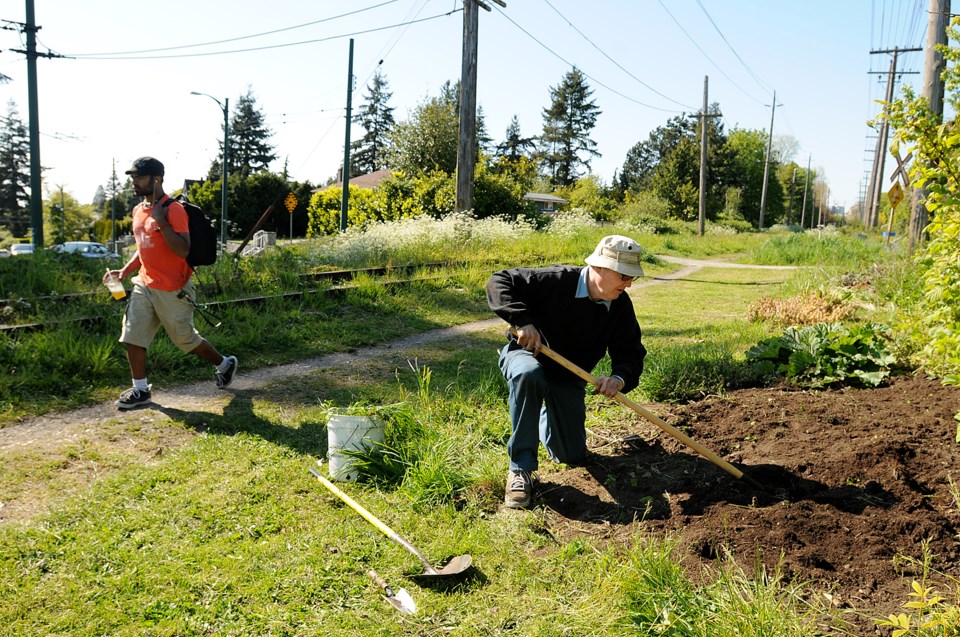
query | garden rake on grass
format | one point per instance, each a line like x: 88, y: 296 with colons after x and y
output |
x: 455, y: 566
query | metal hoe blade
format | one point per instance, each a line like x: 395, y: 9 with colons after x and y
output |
x: 454, y: 566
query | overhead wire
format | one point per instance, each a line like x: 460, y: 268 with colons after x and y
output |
x: 384, y: 53
x: 730, y: 46
x: 585, y: 74
x: 268, y: 47
x: 709, y: 59
x: 617, y: 64
x: 242, y: 37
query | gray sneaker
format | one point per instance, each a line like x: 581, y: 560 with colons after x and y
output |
x: 519, y: 490
x: 133, y: 397
x: 225, y: 378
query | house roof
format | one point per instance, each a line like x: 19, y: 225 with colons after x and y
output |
x: 368, y: 181
x: 543, y: 197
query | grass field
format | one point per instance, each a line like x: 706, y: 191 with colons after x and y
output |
x: 206, y: 521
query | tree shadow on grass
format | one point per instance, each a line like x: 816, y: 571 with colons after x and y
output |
x: 309, y: 438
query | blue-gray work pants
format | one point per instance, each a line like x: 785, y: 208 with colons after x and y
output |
x: 543, y: 410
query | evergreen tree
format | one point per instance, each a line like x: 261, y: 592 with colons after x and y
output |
x: 565, y: 143
x: 14, y: 173
x: 514, y: 145
x: 484, y: 142
x: 100, y: 200
x: 250, y: 148
x: 376, y: 118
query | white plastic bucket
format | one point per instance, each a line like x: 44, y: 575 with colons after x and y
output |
x: 350, y: 433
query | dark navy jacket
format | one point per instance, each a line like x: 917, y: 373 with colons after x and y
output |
x: 580, y: 330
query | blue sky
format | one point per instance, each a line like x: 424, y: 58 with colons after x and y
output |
x: 124, y: 89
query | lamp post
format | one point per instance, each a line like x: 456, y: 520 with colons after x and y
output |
x: 225, y: 107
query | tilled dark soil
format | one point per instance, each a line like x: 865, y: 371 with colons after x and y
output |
x: 854, y: 480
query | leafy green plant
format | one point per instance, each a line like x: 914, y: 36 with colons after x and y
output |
x: 928, y: 615
x: 826, y: 353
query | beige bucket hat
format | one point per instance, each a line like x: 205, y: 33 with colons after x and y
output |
x: 618, y: 253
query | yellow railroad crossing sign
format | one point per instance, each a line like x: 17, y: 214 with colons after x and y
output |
x: 291, y: 202
x: 895, y: 194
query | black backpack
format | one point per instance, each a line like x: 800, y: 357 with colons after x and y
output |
x: 203, y: 238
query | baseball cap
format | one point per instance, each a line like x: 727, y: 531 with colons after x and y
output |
x: 618, y: 253
x: 146, y: 166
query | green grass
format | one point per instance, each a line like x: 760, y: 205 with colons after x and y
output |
x: 228, y: 534
x: 696, y: 333
x: 208, y: 522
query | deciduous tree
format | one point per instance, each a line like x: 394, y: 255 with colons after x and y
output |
x: 427, y: 142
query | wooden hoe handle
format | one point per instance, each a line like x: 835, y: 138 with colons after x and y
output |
x: 673, y: 431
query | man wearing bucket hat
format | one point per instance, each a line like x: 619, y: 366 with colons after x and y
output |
x: 581, y: 313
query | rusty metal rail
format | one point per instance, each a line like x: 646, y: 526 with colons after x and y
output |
x: 333, y: 276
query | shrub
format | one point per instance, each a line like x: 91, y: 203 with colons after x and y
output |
x: 825, y: 354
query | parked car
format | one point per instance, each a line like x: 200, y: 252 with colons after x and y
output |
x: 89, y: 249
x: 21, y: 248
x: 4, y: 253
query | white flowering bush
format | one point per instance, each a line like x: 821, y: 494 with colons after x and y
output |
x: 420, y: 240
x: 570, y: 223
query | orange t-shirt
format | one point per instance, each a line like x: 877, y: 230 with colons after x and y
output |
x: 160, y: 267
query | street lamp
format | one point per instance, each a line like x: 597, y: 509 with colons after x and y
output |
x: 226, y: 149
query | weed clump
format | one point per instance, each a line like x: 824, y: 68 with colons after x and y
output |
x: 803, y: 309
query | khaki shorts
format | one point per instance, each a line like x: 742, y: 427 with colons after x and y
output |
x: 148, y: 309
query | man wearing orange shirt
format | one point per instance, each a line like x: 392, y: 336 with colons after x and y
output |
x: 163, y: 293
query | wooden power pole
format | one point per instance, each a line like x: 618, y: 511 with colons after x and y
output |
x: 704, y: 119
x: 702, y: 217
x: 879, y: 160
x: 467, y: 140
x: 766, y: 163
x: 933, y: 92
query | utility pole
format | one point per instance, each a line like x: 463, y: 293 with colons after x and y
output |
x: 766, y: 163
x: 933, y: 92
x: 793, y: 188
x: 345, y: 195
x: 30, y: 28
x: 703, y: 161
x: 467, y: 139
x: 879, y: 160
x: 113, y: 208
x: 806, y: 188
x: 36, y: 194
x: 704, y: 115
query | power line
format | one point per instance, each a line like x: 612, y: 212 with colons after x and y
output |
x: 619, y: 66
x: 242, y: 37
x: 709, y: 59
x: 737, y: 55
x: 274, y: 46
x: 585, y: 74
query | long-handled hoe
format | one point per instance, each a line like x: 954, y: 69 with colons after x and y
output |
x: 673, y: 431
x: 455, y: 566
